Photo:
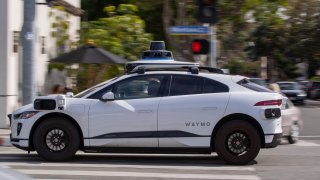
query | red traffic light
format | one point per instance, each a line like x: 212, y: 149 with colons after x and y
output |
x: 200, y: 46
x: 196, y: 47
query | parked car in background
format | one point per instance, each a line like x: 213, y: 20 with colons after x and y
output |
x: 313, y: 90
x: 304, y: 85
x: 291, y: 121
x: 291, y: 117
x: 293, y: 91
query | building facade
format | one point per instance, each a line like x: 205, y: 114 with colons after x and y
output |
x: 11, y: 20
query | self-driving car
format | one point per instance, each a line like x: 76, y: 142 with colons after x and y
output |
x: 156, y: 107
x: 176, y: 109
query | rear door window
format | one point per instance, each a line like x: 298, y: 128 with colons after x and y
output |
x: 212, y: 86
x: 184, y: 85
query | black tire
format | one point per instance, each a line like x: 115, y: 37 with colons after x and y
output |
x: 294, y: 134
x: 56, y: 139
x: 237, y: 142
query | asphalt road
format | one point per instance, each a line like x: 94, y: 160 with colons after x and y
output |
x: 311, y: 122
x: 286, y: 162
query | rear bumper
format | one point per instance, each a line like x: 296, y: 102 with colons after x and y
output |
x: 275, y: 141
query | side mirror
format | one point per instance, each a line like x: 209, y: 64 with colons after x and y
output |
x: 69, y: 94
x: 109, y: 96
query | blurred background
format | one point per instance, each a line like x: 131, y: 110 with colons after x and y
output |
x: 271, y: 40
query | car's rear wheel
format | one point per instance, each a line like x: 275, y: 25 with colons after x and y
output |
x: 237, y: 142
x: 56, y: 139
x: 294, y: 133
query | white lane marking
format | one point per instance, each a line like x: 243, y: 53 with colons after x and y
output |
x: 147, y: 166
x: 16, y: 152
x: 7, y: 176
x: 54, y: 179
x: 305, y: 143
x: 137, y: 174
x: 5, y: 166
x: 317, y: 136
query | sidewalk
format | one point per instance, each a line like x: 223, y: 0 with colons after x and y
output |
x: 5, y: 135
x: 312, y: 102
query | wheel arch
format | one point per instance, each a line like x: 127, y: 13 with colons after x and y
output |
x: 54, y: 114
x: 237, y: 116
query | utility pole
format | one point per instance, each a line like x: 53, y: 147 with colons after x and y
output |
x: 208, y: 13
x: 28, y: 48
x: 213, y: 46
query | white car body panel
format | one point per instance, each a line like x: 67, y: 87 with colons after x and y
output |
x: 123, y: 116
x: 196, y: 114
x: 237, y: 104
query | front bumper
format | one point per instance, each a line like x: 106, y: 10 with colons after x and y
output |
x: 276, y: 139
x: 20, y: 143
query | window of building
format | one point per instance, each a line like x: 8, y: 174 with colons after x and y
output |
x: 16, y: 35
x: 43, y: 44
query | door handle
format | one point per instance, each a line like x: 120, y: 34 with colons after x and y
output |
x: 145, y: 111
x: 209, y: 108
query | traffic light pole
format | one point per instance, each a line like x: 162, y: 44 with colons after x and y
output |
x: 213, y: 46
x: 28, y: 57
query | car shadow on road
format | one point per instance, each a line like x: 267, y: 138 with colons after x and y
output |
x: 127, y: 159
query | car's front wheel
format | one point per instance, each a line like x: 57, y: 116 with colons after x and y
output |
x: 56, y: 139
x: 237, y: 142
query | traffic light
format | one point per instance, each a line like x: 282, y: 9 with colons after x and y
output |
x: 207, y: 11
x: 200, y: 46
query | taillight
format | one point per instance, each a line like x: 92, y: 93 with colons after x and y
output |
x: 277, y: 102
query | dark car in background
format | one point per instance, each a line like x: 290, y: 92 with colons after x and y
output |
x: 293, y: 91
x: 313, y: 90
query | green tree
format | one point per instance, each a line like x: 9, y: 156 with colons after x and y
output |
x: 291, y: 38
x: 121, y: 32
x: 303, y: 42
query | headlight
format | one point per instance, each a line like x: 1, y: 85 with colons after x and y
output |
x: 302, y: 94
x: 25, y: 115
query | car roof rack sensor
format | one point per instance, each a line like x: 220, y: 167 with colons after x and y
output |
x: 194, y: 69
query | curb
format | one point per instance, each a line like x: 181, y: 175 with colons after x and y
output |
x: 312, y: 102
x: 5, y: 141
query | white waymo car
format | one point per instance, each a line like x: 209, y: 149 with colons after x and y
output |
x: 155, y: 108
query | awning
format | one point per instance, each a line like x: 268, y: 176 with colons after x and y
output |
x: 67, y: 6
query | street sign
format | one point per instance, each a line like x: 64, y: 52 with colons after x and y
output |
x: 189, y: 30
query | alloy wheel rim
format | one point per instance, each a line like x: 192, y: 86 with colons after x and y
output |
x: 238, y: 143
x: 56, y: 140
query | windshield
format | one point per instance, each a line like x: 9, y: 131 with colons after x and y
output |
x: 289, y: 86
x: 88, y: 91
